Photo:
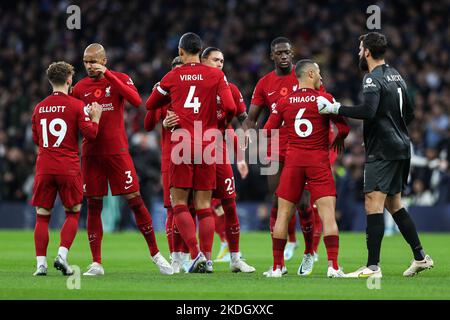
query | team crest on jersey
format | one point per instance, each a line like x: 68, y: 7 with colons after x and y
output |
x: 108, y: 91
x: 294, y: 88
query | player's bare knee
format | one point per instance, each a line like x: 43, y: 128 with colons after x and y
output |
x: 374, y: 203
x: 43, y: 211
x: 75, y: 208
x: 132, y: 195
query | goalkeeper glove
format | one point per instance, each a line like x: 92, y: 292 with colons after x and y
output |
x: 326, y: 107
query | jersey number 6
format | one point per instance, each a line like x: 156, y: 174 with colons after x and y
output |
x: 299, y: 121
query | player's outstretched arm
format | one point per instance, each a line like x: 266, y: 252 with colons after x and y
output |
x: 275, y: 120
x: 365, y: 111
x: 124, y: 86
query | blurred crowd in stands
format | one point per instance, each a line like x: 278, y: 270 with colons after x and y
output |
x: 141, y: 39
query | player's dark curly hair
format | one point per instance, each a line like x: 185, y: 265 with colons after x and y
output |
x: 376, y: 43
x: 191, y: 43
x: 59, y: 72
x: 279, y: 40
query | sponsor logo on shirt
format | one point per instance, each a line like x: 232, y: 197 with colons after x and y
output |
x: 369, y: 84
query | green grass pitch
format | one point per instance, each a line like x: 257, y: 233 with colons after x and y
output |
x: 130, y: 274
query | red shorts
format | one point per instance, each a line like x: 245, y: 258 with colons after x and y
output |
x: 117, y: 169
x: 166, y: 188
x: 292, y: 183
x: 70, y: 189
x: 224, y: 182
x: 193, y: 176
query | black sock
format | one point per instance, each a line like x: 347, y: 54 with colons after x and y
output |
x: 374, y: 236
x: 409, y: 232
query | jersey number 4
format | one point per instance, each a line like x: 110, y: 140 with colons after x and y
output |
x: 191, y: 101
x: 299, y: 121
x: 60, y: 134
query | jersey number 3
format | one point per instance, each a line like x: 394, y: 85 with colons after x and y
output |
x: 299, y: 121
x: 60, y: 134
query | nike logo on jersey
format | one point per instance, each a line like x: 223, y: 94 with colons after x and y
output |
x: 87, y: 94
x: 271, y: 93
x: 128, y: 187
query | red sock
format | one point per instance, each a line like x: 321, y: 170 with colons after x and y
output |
x: 206, y: 230
x: 278, y: 252
x: 232, y: 227
x: 186, y: 226
x: 69, y: 229
x: 332, y: 245
x: 169, y: 228
x: 291, y: 229
x: 273, y: 218
x: 317, y: 229
x: 41, y: 234
x: 193, y: 215
x: 307, y: 224
x: 178, y: 243
x: 95, y: 228
x: 219, y: 222
x: 144, y: 223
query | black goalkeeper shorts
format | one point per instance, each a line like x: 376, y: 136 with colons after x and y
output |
x: 387, y: 176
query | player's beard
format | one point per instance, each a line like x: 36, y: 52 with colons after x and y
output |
x: 363, y: 66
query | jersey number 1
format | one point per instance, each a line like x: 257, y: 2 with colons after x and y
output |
x: 61, y: 133
x: 191, y: 101
x: 401, y: 100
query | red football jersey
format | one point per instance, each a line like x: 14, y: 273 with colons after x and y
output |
x: 308, y: 131
x: 223, y: 122
x: 151, y: 119
x: 193, y: 89
x: 110, y: 92
x: 272, y: 88
x: 55, y: 124
x: 240, y: 108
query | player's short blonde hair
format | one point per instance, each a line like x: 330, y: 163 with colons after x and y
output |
x: 59, y: 72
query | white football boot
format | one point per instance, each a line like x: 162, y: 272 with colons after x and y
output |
x: 40, y: 271
x: 316, y: 257
x: 277, y: 273
x: 163, y: 265
x: 94, y: 269
x: 333, y: 273
x: 209, y: 267
x: 63, y: 266
x: 307, y: 265
x: 289, y: 250
x: 198, y: 265
x: 283, y: 271
x: 238, y: 265
x: 224, y: 253
x: 365, y: 272
x: 419, y: 266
